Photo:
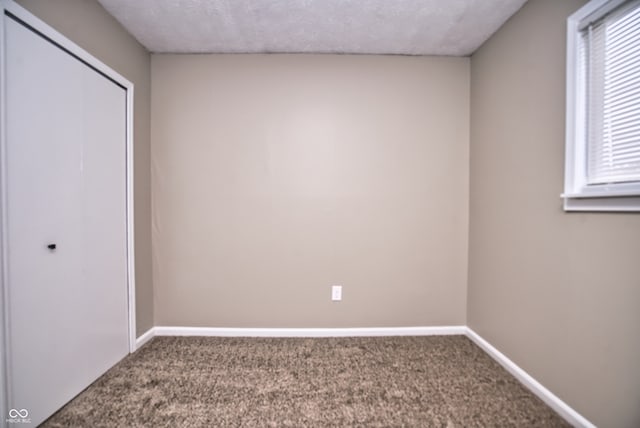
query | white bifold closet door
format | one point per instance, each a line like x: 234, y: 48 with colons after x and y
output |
x: 66, y: 187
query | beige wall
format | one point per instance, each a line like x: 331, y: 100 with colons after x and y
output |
x: 276, y: 176
x: 558, y: 293
x: 90, y: 26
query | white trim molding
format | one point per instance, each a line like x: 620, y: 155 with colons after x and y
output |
x: 552, y: 400
x: 145, y: 337
x: 309, y: 332
x: 4, y: 277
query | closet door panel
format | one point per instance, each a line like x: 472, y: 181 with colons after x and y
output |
x: 65, y: 187
x: 104, y: 255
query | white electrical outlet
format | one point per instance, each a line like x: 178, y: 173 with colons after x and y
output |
x: 336, y: 292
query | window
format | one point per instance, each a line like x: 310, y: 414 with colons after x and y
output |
x: 602, y: 169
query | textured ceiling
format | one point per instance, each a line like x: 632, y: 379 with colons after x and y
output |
x: 409, y: 27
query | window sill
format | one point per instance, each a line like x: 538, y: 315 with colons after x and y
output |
x: 608, y: 203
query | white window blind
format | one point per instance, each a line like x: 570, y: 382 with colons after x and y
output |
x: 610, y: 54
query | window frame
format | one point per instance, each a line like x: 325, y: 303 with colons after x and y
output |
x: 578, y: 195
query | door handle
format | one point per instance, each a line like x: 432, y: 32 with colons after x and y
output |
x: 51, y: 246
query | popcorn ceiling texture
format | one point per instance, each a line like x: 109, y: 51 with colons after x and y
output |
x: 407, y: 27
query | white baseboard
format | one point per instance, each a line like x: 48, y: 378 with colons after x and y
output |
x: 562, y: 408
x: 145, y: 337
x: 309, y: 332
x: 552, y: 400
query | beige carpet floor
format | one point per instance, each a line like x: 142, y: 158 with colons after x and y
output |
x: 434, y: 381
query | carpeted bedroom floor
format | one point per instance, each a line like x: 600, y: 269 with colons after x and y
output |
x: 440, y: 381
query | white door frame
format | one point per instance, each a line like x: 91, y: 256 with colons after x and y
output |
x: 12, y: 8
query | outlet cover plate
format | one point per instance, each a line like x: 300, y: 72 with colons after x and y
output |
x: 336, y: 293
